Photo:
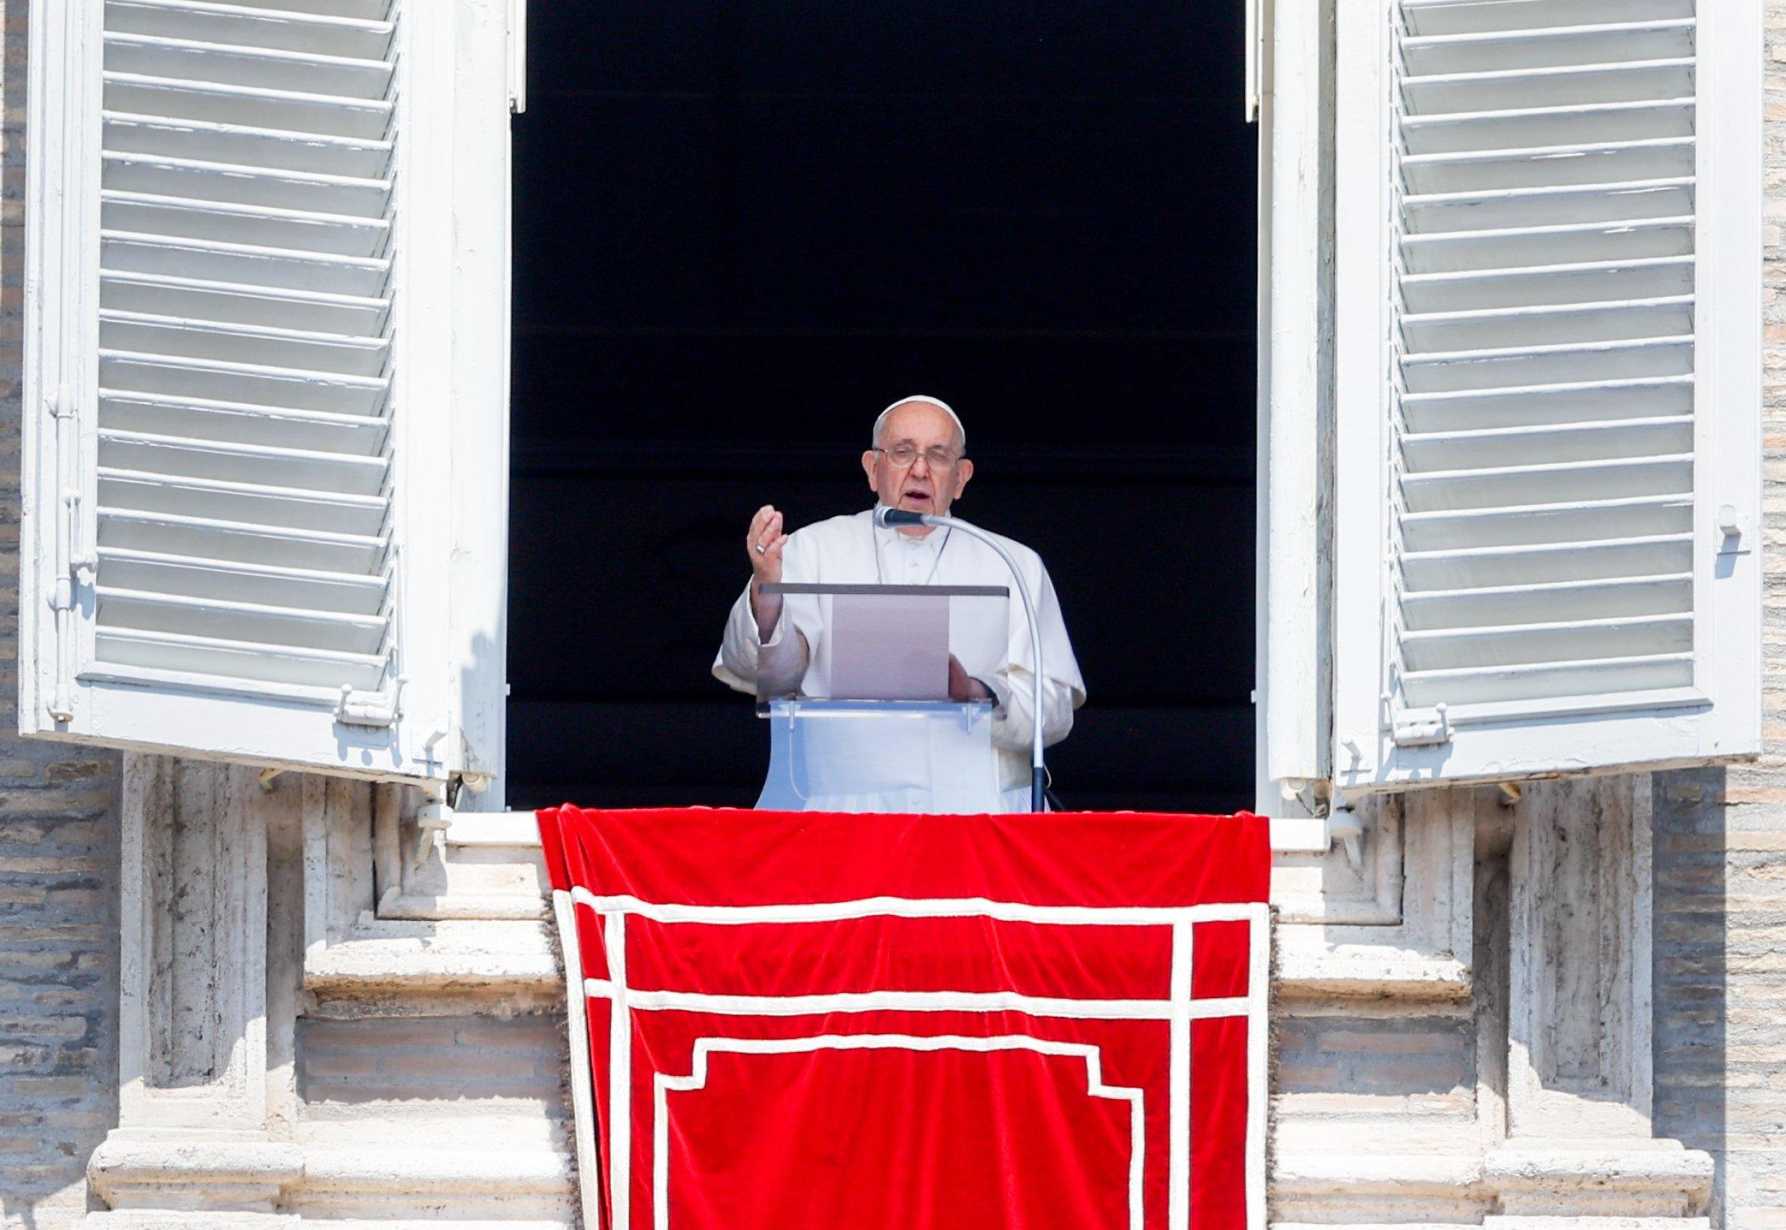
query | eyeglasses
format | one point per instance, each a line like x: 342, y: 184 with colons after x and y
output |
x: 906, y: 453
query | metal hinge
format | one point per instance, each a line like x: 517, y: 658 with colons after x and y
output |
x: 74, y: 566
x: 374, y: 709
x: 1419, y: 727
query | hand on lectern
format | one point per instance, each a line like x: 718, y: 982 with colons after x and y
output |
x: 763, y: 545
x: 963, y: 686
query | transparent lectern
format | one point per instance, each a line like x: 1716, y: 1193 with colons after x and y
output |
x: 872, y: 727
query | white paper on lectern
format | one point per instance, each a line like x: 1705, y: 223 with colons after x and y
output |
x: 889, y: 646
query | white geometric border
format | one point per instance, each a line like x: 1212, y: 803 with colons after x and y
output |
x: 1178, y: 1008
x: 697, y: 1079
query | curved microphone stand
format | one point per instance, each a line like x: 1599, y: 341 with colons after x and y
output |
x: 1038, y: 776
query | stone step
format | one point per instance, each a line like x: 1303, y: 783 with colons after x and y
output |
x: 483, y: 866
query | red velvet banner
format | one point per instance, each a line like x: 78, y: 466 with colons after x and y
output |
x: 799, y: 1021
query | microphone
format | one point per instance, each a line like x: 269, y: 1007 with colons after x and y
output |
x: 1038, y: 775
x: 884, y: 517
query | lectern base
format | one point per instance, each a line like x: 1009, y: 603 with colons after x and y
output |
x: 883, y: 756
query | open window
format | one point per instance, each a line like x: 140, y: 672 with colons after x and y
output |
x: 265, y: 382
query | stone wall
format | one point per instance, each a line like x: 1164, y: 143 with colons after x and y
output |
x: 1720, y: 850
x: 58, y: 834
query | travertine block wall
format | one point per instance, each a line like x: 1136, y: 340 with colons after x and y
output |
x: 1720, y: 848
x: 58, y: 835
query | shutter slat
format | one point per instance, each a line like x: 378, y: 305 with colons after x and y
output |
x: 1568, y: 402
x: 260, y: 225
x: 1551, y: 482
x: 241, y: 463
x: 298, y: 110
x: 1495, y: 567
x: 365, y: 10
x: 1476, y: 16
x: 298, y: 627
x: 1461, y: 370
x: 1513, y: 208
x: 1531, y: 324
x: 236, y: 303
x: 1571, y: 521
x: 245, y: 145
x: 1548, y: 245
x: 1592, y: 43
x: 1538, y: 126
x: 357, y: 38
x: 1551, y: 87
x: 1594, y: 162
x: 219, y: 380
x: 256, y: 67
x: 270, y: 426
x: 255, y: 504
x: 1550, y: 641
x: 260, y: 345
x: 173, y: 652
x: 232, y: 183
x: 1529, y: 604
x: 1548, y: 680
x: 246, y: 264
x: 1511, y: 446
x: 1582, y: 282
x: 213, y: 538
x: 158, y: 572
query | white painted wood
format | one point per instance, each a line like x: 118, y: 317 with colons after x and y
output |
x: 269, y: 308
x: 1293, y: 673
x: 1547, y: 375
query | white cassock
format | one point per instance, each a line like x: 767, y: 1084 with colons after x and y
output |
x: 851, y: 550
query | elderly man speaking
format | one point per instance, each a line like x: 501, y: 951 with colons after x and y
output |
x: 917, y: 463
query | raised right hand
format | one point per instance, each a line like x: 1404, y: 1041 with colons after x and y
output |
x: 764, y: 545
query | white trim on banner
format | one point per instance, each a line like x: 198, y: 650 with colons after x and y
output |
x: 1179, y: 1009
x: 697, y: 1079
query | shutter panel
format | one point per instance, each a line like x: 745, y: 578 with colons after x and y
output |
x: 1540, y: 429
x: 223, y: 390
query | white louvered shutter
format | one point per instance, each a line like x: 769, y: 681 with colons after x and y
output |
x: 231, y: 464
x: 1548, y: 386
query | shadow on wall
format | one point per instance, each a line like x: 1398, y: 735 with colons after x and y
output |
x: 58, y: 836
x: 1693, y: 946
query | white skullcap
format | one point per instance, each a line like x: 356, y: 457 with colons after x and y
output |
x: 881, y: 419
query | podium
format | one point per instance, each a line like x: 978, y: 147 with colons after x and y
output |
x: 872, y: 727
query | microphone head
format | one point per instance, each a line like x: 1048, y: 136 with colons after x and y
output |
x: 884, y: 516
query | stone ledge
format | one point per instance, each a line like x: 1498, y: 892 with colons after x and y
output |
x: 1614, y: 1185
x: 217, y: 1180
x: 192, y: 1171
x: 1308, y: 967
x: 461, y: 907
x: 1645, y: 1178
x: 464, y: 956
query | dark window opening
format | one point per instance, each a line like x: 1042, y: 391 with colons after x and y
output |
x: 743, y: 228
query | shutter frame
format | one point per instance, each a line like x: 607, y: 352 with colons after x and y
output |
x: 306, y: 723
x: 1717, y: 717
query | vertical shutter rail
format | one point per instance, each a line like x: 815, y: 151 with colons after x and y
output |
x: 1543, y: 309
x: 246, y: 383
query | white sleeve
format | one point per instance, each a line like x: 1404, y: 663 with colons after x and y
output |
x: 1063, y: 690
x: 744, y: 657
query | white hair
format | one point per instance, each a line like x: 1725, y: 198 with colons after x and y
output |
x: 881, y: 421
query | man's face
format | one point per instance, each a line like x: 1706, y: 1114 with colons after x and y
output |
x: 936, y: 473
